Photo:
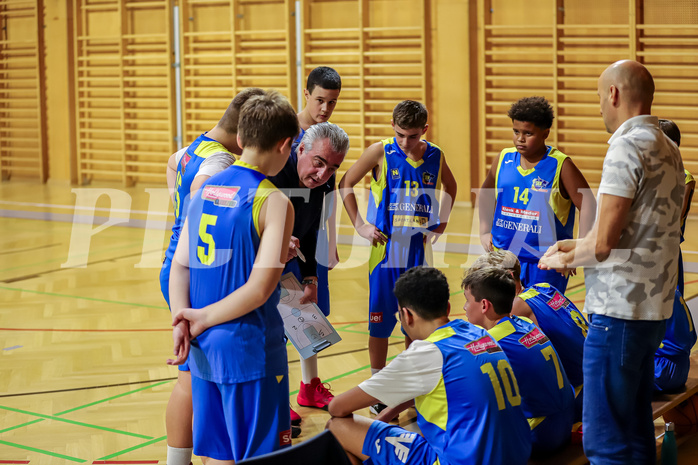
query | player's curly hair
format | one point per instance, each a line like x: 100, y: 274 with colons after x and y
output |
x: 534, y: 110
x: 423, y: 290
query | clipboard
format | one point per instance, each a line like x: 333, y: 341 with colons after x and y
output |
x: 305, y: 325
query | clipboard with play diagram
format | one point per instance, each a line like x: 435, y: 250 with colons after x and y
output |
x: 305, y: 325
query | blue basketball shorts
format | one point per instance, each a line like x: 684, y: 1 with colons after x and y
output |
x: 241, y: 420
x: 387, y: 444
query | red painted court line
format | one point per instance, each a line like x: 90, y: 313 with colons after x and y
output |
x: 55, y: 330
x: 15, y: 461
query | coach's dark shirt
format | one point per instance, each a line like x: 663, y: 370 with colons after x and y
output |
x: 308, y: 206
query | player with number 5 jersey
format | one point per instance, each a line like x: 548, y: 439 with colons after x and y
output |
x: 224, y: 289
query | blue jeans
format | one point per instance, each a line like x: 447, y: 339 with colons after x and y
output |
x: 618, y: 386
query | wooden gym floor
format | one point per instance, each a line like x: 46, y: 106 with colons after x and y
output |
x: 85, y: 333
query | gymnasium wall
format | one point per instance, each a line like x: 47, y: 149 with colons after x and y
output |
x: 87, y: 87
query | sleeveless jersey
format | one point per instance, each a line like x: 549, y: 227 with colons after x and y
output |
x: 680, y: 334
x: 404, y: 204
x: 545, y: 389
x: 483, y: 422
x: 223, y: 244
x: 563, y: 323
x: 531, y: 214
x: 187, y: 169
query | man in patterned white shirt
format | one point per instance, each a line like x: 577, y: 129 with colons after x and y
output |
x: 631, y: 263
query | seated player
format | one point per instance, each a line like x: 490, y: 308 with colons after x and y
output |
x: 673, y: 358
x: 553, y: 313
x: 547, y: 398
x: 463, y: 387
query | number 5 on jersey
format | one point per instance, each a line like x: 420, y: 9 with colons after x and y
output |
x: 206, y: 254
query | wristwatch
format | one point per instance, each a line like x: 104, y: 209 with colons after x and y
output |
x: 309, y: 281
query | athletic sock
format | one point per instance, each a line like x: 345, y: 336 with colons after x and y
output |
x: 179, y: 455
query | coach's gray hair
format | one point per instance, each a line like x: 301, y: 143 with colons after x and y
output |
x: 339, y: 141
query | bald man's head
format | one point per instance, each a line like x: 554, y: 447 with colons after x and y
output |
x: 626, y: 89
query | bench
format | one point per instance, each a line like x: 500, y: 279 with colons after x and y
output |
x: 573, y: 454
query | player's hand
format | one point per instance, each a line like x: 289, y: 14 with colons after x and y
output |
x: 196, y: 318
x: 434, y: 235
x: 486, y: 241
x: 292, y: 246
x: 561, y: 246
x: 373, y: 234
x: 180, y: 337
x: 333, y: 260
x: 309, y: 294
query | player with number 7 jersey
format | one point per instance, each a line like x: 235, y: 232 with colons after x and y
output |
x: 564, y: 324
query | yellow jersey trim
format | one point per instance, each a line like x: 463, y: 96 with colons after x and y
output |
x: 528, y: 294
x: 502, y: 330
x: 433, y: 406
x: 378, y: 252
x: 379, y: 183
x: 264, y: 189
x: 441, y: 334
x: 560, y: 205
x: 209, y: 147
x: 533, y: 422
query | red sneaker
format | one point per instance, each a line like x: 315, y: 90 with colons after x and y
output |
x: 315, y: 394
x: 295, y: 418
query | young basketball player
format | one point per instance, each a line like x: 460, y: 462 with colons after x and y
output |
x: 553, y: 313
x: 224, y: 290
x: 187, y: 169
x: 464, y: 391
x: 547, y: 398
x: 528, y: 199
x: 403, y: 212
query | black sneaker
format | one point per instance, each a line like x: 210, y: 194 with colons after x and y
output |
x: 377, y: 408
x: 295, y: 431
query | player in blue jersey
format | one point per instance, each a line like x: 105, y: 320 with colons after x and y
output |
x: 547, y: 398
x: 672, y: 132
x: 412, y: 192
x: 464, y: 390
x: 528, y: 199
x: 673, y: 358
x: 187, y: 169
x: 553, y: 313
x: 224, y: 290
